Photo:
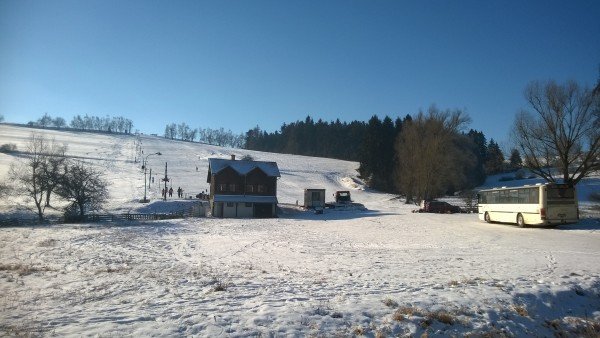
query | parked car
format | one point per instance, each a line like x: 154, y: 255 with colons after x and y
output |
x: 439, y: 207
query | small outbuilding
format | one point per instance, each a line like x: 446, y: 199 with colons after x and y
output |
x: 314, y: 198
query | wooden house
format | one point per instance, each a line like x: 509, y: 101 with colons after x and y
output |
x: 242, y: 189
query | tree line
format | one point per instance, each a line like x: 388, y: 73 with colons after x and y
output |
x: 219, y: 137
x: 114, y: 124
x: 432, y: 154
x: 421, y: 157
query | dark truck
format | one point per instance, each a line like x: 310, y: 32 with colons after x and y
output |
x: 439, y: 207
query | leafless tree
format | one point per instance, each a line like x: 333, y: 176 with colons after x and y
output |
x: 84, y: 187
x: 430, y: 154
x: 53, y: 168
x: 4, y: 189
x: 561, y: 132
x: 29, y: 174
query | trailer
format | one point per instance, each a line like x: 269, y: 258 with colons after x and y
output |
x: 314, y: 198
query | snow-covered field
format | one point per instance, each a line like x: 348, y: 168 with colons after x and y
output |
x: 381, y: 272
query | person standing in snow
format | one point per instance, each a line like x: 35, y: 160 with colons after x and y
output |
x: 171, y: 192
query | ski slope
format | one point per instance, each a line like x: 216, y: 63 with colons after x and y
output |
x: 381, y: 272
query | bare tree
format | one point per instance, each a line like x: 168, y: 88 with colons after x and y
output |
x: 28, y: 174
x: 53, y: 168
x: 59, y: 122
x: 562, y: 132
x: 431, y: 157
x: 84, y: 187
x: 45, y: 121
x: 4, y: 189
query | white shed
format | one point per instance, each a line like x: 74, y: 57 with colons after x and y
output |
x: 314, y: 198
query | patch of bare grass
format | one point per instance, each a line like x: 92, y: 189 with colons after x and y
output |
x: 454, y: 283
x: 110, y: 269
x: 359, y: 331
x: 521, y: 310
x: 390, y: 303
x: 442, y: 317
x: 398, y: 316
x: 582, y: 327
x: 48, y: 243
x: 219, y: 285
x: 410, y: 311
x: 23, y: 269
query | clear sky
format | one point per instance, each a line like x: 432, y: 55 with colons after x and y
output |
x: 237, y: 64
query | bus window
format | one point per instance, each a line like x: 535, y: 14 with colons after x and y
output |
x: 494, y: 197
x: 513, y: 196
x: 534, y: 195
x: 524, y: 196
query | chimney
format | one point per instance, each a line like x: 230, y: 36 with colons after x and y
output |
x: 233, y: 157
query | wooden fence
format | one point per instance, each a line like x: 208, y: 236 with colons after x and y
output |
x: 196, y: 211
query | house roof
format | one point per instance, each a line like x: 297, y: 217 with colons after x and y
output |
x: 245, y: 198
x: 242, y: 167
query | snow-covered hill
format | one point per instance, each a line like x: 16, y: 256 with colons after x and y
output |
x: 187, y: 166
x: 381, y: 272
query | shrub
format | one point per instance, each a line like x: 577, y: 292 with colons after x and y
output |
x: 389, y: 303
x: 8, y: 148
x: 442, y: 317
x: 398, y: 316
x: 359, y: 331
x: 410, y: 311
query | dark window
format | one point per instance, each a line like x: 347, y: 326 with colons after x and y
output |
x: 230, y: 204
x: 232, y: 187
x: 494, y: 197
x: 222, y: 187
x: 261, y: 188
x: 560, y: 192
x: 248, y: 205
x: 249, y: 188
x: 513, y: 196
x: 316, y: 196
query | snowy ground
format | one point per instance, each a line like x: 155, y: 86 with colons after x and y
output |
x: 381, y: 272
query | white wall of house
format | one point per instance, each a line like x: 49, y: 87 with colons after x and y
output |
x: 229, y: 210
x: 245, y: 210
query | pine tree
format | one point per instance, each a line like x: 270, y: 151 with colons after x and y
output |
x: 515, y: 160
x: 494, y: 163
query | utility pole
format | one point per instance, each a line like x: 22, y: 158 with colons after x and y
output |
x: 166, y: 179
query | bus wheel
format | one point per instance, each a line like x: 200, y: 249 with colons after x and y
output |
x: 487, y: 218
x: 520, y: 221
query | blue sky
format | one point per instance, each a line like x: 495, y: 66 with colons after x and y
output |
x: 237, y: 64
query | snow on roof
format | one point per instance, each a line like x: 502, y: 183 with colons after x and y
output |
x: 243, y: 167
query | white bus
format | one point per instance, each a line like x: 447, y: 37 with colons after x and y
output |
x: 548, y: 204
